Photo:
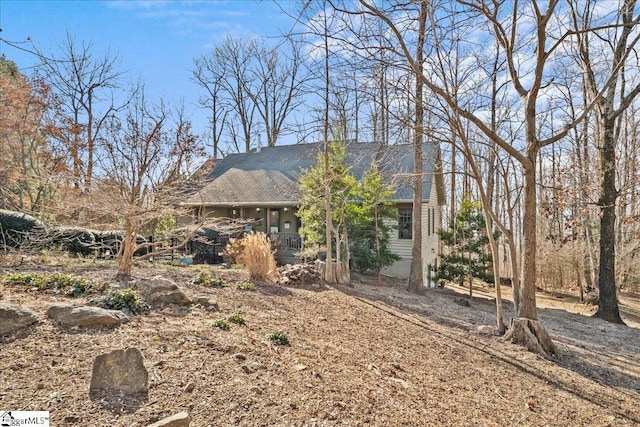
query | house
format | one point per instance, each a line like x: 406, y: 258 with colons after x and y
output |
x: 262, y: 185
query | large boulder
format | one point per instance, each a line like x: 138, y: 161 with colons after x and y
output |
x: 86, y: 316
x: 14, y: 318
x: 120, y: 377
x: 160, y: 291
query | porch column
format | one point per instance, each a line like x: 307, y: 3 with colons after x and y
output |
x: 267, y: 220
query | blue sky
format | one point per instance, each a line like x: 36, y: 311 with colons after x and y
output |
x: 156, y: 40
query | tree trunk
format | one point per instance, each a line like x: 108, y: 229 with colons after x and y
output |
x: 377, y: 244
x: 496, y: 277
x: 124, y: 259
x: 608, y: 300
x: 531, y: 334
x: 527, y: 303
x: 416, y: 279
x: 515, y: 273
x: 330, y: 276
x: 526, y: 330
x: 346, y: 270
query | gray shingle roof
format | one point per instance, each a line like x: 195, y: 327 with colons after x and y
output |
x: 270, y: 176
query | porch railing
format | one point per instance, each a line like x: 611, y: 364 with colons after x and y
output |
x: 287, y: 241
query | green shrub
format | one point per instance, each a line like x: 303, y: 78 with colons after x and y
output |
x: 237, y: 319
x: 245, y: 286
x: 221, y: 324
x: 278, y: 337
x: 56, y: 282
x: 205, y: 278
x: 128, y: 300
x: 25, y: 279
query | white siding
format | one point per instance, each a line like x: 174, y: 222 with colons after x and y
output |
x: 431, y: 223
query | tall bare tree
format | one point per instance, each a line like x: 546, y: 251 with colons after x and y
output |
x: 147, y: 156
x: 276, y: 84
x: 210, y: 76
x: 416, y: 278
x: 251, y: 88
x: 85, y: 83
x: 609, y: 87
x: 530, y: 80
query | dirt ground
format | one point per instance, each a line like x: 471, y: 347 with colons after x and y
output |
x: 367, y: 355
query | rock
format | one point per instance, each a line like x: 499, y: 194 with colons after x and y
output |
x: 240, y: 357
x: 485, y: 330
x: 120, y: 373
x: 298, y: 275
x: 14, y: 318
x: 190, y: 387
x: 86, y: 316
x: 206, y: 303
x: 299, y: 368
x: 159, y: 291
x: 181, y: 419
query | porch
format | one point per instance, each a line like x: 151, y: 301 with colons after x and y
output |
x: 286, y: 244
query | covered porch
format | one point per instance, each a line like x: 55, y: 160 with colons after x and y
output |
x: 279, y: 223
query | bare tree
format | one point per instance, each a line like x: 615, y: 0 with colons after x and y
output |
x: 621, y: 38
x: 416, y: 279
x: 251, y: 88
x: 228, y: 65
x: 146, y: 159
x: 529, y: 80
x: 275, y: 85
x: 210, y: 76
x: 84, y: 84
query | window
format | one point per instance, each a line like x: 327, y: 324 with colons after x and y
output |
x: 404, y: 223
x: 433, y: 220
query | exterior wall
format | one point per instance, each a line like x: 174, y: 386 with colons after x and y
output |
x: 431, y: 223
x: 259, y: 216
x: 403, y: 248
x: 288, y: 216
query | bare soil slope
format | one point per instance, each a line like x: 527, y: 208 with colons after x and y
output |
x: 368, y: 355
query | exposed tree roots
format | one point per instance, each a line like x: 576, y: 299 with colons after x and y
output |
x: 612, y: 316
x: 533, y: 336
